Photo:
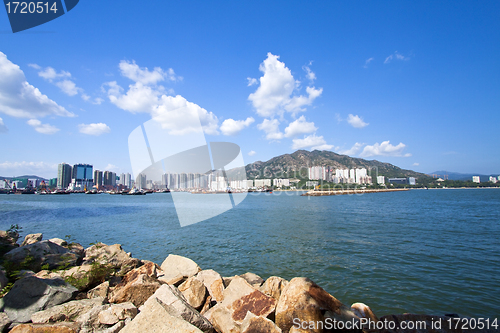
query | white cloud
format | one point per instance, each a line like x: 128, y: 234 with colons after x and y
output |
x: 20, y: 99
x: 42, y: 128
x: 252, y: 81
x: 111, y: 167
x: 233, y: 127
x: 41, y: 169
x: 367, y: 62
x: 309, y: 73
x: 338, y: 118
x: 277, y: 85
x: 353, y: 150
x: 251, y: 153
x: 35, y: 66
x: 138, y: 98
x: 299, y: 126
x: 271, y: 128
x: 416, y: 164
x: 94, y: 129
x: 396, y: 55
x: 3, y: 128
x: 132, y: 71
x: 384, y: 149
x: 356, y: 121
x: 316, y: 142
x: 50, y: 73
x: 68, y: 87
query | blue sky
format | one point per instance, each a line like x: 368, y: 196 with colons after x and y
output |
x: 414, y: 84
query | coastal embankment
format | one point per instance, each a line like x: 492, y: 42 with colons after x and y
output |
x: 56, y: 286
x: 319, y: 193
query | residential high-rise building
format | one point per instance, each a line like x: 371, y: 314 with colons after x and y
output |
x: 109, y: 178
x: 140, y: 182
x: 63, y: 175
x: 380, y: 180
x: 128, y: 180
x: 98, y: 178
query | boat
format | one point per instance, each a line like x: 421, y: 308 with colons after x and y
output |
x: 59, y: 192
x: 135, y: 191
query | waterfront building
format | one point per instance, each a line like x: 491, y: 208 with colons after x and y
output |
x: 412, y: 181
x: 98, y: 178
x: 249, y: 183
x: 380, y: 180
x: 109, y: 178
x: 82, y: 177
x: 53, y: 182
x: 312, y: 183
x: 262, y: 182
x: 127, y: 181
x: 281, y: 182
x: 398, y: 180
x: 476, y: 179
x: 64, y: 175
x: 141, y: 181
x: 493, y: 179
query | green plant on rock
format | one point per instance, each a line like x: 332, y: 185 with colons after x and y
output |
x: 97, y: 274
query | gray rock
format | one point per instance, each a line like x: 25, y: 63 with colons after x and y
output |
x: 31, y: 294
x: 63, y: 327
x: 8, y: 241
x: 58, y: 241
x: 155, y: 318
x: 4, y: 321
x: 113, y: 329
x: 112, y: 255
x: 117, y: 312
x: 3, y: 278
x: 33, y: 256
x: 70, y: 311
x: 90, y: 320
x: 253, y: 279
x: 101, y: 290
x: 177, y: 306
x: 32, y: 239
x: 178, y: 268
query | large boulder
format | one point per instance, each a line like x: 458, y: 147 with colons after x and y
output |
x: 4, y: 321
x: 8, y: 241
x: 136, y: 290
x: 101, y: 290
x: 70, y: 311
x: 154, y: 317
x: 213, y: 282
x: 3, y: 278
x: 177, y: 306
x: 304, y: 299
x: 31, y: 294
x: 58, y: 241
x: 110, y: 255
x: 47, y: 328
x: 117, y: 312
x: 239, y: 299
x: 89, y: 321
x: 32, y: 239
x: 194, y: 292
x: 177, y: 268
x: 44, y: 253
x: 273, y: 287
x: 363, y: 311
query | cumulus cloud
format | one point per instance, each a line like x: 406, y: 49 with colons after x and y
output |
x: 132, y: 71
x: 20, y: 99
x: 367, y: 62
x: 174, y: 113
x: 275, y: 94
x: 41, y: 169
x: 384, y: 149
x: 42, y: 128
x: 251, y: 153
x: 311, y: 141
x: 356, y: 121
x: 94, y: 129
x: 300, y: 126
x: 353, y: 150
x: 3, y: 128
x: 233, y: 127
x: 271, y: 128
x: 50, y: 73
x: 68, y: 87
x: 309, y: 73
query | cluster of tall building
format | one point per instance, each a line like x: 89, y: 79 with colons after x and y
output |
x: 344, y: 176
x: 82, y: 176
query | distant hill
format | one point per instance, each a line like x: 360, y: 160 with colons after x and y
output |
x: 461, y: 176
x: 296, y: 164
x: 25, y: 176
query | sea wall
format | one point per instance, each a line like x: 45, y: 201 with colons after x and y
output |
x: 56, y: 286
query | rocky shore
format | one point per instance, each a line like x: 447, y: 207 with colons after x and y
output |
x: 56, y: 286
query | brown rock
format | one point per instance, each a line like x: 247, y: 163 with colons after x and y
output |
x: 136, y: 291
x: 58, y: 241
x: 46, y: 328
x: 112, y: 255
x: 253, y: 279
x: 305, y: 300
x: 150, y: 269
x: 101, y: 290
x: 194, y: 291
x: 255, y: 324
x: 32, y: 239
x: 155, y: 318
x: 255, y: 302
x: 208, y: 304
x: 117, y: 312
x: 363, y: 311
x: 178, y: 268
x: 213, y: 282
x: 221, y: 319
x: 273, y: 287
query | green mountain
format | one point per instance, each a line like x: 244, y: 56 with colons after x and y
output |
x: 296, y: 165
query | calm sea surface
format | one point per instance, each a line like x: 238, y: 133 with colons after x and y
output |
x: 434, y: 251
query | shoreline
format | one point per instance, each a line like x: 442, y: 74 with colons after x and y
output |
x: 350, y: 192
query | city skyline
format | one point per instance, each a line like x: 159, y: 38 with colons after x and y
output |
x: 408, y: 84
